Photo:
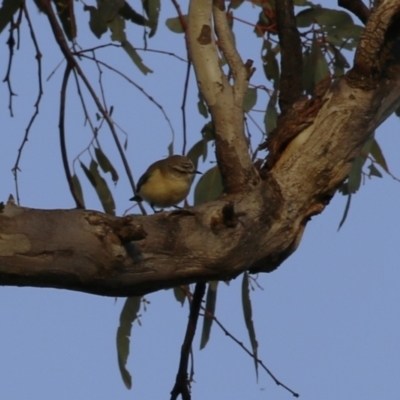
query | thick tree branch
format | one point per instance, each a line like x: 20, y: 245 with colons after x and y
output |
x: 253, y: 229
x: 241, y: 74
x: 357, y: 7
x: 224, y: 101
x: 291, y: 82
x: 374, y: 51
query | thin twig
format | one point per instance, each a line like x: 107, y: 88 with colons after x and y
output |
x: 183, y: 106
x: 149, y: 97
x: 61, y: 126
x: 207, y: 314
x: 38, y: 57
x: 238, y: 342
x: 7, y: 78
x: 182, y: 384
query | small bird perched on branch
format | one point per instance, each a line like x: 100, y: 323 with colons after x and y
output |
x: 166, y: 182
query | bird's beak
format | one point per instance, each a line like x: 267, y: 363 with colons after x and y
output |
x: 197, y: 172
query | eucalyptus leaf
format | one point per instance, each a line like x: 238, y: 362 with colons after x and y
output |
x: 7, y: 10
x: 209, y: 186
x: 152, y: 8
x: 211, y: 301
x: 248, y: 319
x: 126, y: 319
x: 250, y: 99
x: 135, y: 57
x: 77, y: 189
x: 175, y: 25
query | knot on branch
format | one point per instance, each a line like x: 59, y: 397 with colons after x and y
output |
x: 123, y: 228
x: 205, y: 35
x: 228, y: 218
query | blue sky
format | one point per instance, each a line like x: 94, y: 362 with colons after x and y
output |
x: 327, y: 320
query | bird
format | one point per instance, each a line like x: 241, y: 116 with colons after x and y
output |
x: 166, y: 182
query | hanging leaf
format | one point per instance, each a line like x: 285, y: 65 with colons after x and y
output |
x: 197, y: 151
x: 202, y: 107
x: 175, y: 25
x: 171, y: 148
x: 208, y: 131
x: 7, y: 10
x: 211, y: 301
x: 355, y: 174
x: 117, y: 28
x: 105, y: 164
x: 109, y: 9
x: 135, y: 57
x: 100, y: 185
x: 96, y: 23
x: 179, y: 295
x: 152, y: 8
x: 270, y: 64
x: 126, y: 319
x: 248, y: 319
x: 373, y: 171
x: 250, y: 99
x: 319, y: 63
x: 78, y: 189
x: 271, y: 114
x: 209, y: 186
x: 346, y: 211
x: 376, y: 152
x: 129, y: 14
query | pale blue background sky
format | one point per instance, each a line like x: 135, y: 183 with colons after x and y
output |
x: 327, y: 320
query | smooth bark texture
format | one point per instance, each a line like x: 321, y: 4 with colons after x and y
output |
x: 257, y: 224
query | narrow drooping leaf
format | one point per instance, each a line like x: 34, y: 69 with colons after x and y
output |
x: 248, y: 319
x: 271, y: 115
x: 270, y: 64
x: 117, y: 28
x: 211, y: 301
x: 7, y: 10
x: 128, y: 315
x: 250, y: 99
x: 209, y: 186
x: 373, y: 171
x: 152, y: 8
x: 376, y: 152
x: 129, y: 14
x: 318, y: 60
x: 135, y: 57
x: 202, y: 107
x: 78, y: 189
x: 179, y: 295
x: 100, y: 186
x: 198, y: 150
x: 346, y: 211
x: 105, y: 164
x: 355, y: 174
x: 171, y: 148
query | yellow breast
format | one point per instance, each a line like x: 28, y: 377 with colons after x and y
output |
x: 165, y: 191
